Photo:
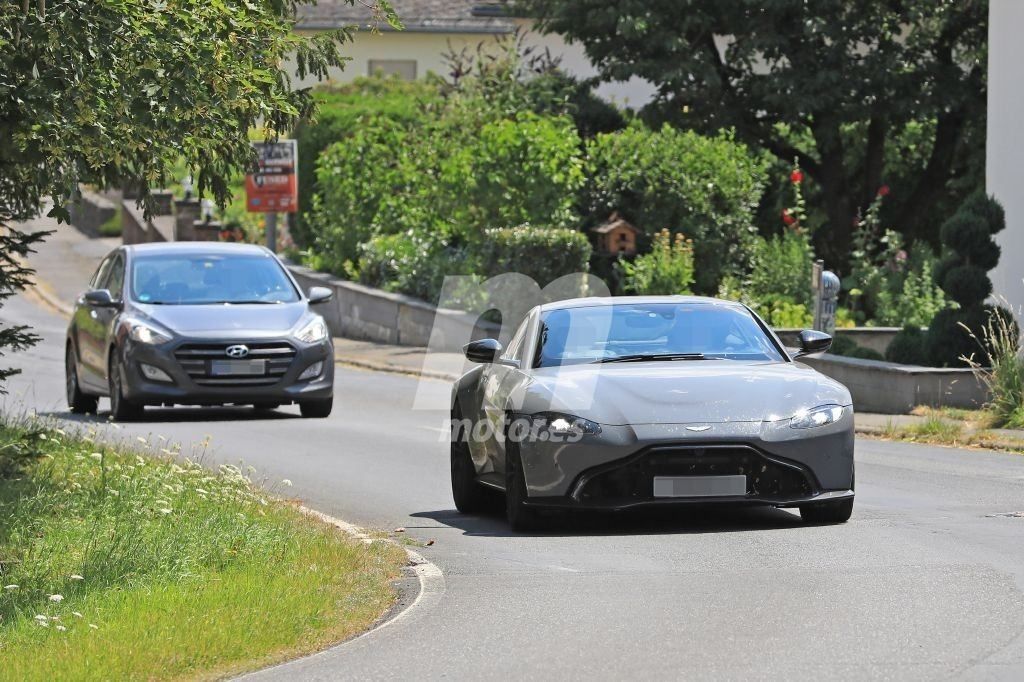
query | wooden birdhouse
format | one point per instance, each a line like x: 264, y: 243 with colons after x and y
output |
x: 616, y: 236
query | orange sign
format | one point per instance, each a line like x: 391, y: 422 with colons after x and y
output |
x: 274, y: 188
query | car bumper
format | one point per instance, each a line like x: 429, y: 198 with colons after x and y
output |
x: 615, y: 469
x: 193, y: 384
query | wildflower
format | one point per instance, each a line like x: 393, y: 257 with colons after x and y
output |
x: 10, y: 588
x: 883, y: 191
x: 787, y: 217
x: 166, y: 510
x: 41, y: 618
x: 42, y: 436
x: 43, y: 623
x: 94, y: 627
x: 76, y: 614
x: 75, y: 576
x: 287, y: 483
x: 98, y: 456
x: 796, y: 177
x: 56, y: 598
x: 61, y: 628
x: 60, y: 432
x: 140, y: 439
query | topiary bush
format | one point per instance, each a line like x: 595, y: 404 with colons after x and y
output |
x: 970, y: 252
x: 908, y: 347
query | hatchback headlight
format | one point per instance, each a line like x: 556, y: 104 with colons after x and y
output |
x: 143, y: 333
x: 313, y: 331
x: 818, y: 416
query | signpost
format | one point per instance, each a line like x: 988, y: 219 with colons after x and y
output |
x: 274, y: 187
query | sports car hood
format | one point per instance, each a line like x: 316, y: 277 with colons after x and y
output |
x: 203, y: 319
x: 681, y: 392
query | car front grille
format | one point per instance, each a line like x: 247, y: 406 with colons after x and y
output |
x: 632, y: 479
x: 196, y: 359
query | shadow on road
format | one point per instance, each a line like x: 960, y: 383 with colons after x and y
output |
x: 677, y: 520
x: 167, y: 415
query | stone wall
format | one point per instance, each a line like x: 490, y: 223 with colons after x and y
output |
x: 92, y: 211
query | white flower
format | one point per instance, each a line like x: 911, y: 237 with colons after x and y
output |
x: 56, y: 598
x: 94, y: 627
x: 166, y: 510
x: 141, y: 439
x: 76, y: 614
x: 10, y: 588
x: 75, y: 576
x: 97, y: 456
x: 60, y: 432
x: 42, y: 436
x: 287, y: 483
x: 61, y: 628
x: 41, y: 618
x: 43, y: 623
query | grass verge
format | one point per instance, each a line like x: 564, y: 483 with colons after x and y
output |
x: 114, y: 565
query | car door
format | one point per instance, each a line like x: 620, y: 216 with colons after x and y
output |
x: 85, y: 332
x: 498, y: 381
x: 107, y: 316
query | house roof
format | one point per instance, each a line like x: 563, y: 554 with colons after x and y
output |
x: 418, y: 16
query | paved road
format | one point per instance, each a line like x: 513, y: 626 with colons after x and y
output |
x: 924, y: 582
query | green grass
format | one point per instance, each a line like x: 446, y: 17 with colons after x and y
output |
x: 135, y: 567
x: 933, y: 429
x: 112, y: 227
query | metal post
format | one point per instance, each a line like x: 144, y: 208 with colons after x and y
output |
x: 272, y: 231
x: 816, y: 269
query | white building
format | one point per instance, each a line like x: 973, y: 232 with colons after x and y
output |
x: 1004, y: 169
x: 436, y: 27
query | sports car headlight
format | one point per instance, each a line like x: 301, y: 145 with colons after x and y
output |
x: 566, y: 424
x: 143, y: 333
x: 313, y: 331
x: 819, y: 416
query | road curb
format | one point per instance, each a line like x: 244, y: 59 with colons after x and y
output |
x: 393, y: 369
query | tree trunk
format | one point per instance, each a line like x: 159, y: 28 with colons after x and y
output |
x: 834, y: 240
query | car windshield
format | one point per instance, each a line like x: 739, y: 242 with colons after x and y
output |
x: 208, y: 279
x: 647, y: 332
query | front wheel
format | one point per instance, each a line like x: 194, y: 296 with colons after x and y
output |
x: 827, y: 512
x: 469, y: 496
x: 520, y: 516
x: 316, y: 409
x: 78, y: 402
x: 121, y: 409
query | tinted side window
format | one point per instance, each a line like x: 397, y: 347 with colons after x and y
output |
x: 515, y: 346
x: 115, y: 278
x: 101, y: 273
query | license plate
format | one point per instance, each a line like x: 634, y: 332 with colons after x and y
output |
x: 229, y: 368
x: 700, y: 486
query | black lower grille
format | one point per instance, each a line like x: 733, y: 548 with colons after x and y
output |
x: 632, y: 480
x: 197, y: 361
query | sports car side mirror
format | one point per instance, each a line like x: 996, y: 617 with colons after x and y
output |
x: 100, y: 298
x: 320, y: 295
x: 483, y: 351
x: 813, y: 341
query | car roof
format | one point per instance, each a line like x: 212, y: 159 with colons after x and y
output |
x: 196, y: 248
x: 596, y: 301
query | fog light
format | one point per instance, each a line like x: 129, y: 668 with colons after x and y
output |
x: 312, y: 371
x: 154, y: 373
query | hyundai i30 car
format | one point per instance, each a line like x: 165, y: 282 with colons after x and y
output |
x: 611, y: 403
x: 198, y: 323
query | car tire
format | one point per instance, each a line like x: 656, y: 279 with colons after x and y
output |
x: 78, y: 402
x: 520, y: 516
x: 121, y: 409
x: 469, y: 496
x: 827, y: 512
x: 316, y: 409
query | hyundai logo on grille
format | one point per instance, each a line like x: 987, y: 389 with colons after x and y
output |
x: 239, y: 351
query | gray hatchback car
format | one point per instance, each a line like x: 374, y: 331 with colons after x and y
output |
x: 198, y: 323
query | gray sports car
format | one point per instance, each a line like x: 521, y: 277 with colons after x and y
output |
x: 609, y: 403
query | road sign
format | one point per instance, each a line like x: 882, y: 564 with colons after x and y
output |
x: 274, y: 188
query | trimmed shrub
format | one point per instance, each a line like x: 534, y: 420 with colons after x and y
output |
x: 847, y: 347
x: 545, y: 254
x: 706, y: 187
x: 970, y: 252
x: 908, y: 347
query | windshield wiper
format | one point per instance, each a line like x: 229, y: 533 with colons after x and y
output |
x: 246, y: 302
x: 651, y: 357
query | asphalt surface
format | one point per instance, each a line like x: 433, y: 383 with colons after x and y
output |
x: 924, y: 582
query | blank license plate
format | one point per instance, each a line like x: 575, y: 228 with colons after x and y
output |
x: 247, y: 368
x: 699, y: 486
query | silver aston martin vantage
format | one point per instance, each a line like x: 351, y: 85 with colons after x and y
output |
x: 610, y: 403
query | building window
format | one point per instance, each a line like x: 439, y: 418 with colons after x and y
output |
x: 403, y: 68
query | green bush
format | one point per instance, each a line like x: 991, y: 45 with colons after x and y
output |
x: 970, y: 251
x: 666, y: 269
x: 847, y: 347
x: 706, y: 187
x: 342, y: 111
x: 544, y: 254
x: 1001, y: 368
x: 908, y: 347
x: 781, y: 267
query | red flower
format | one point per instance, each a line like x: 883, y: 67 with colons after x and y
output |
x: 788, y: 217
x: 883, y: 191
x: 796, y: 177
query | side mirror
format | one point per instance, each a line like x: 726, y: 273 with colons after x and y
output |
x: 320, y: 295
x: 100, y: 298
x: 484, y: 351
x: 813, y: 341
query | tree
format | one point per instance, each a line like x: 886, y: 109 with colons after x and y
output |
x: 110, y: 92
x: 829, y: 83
